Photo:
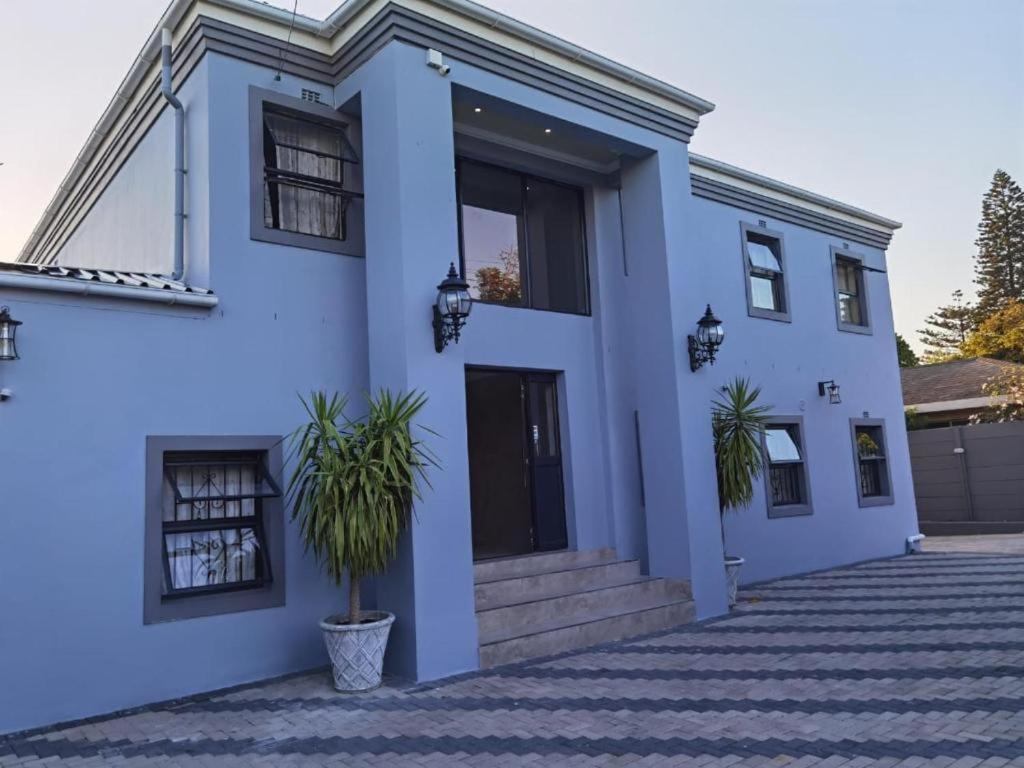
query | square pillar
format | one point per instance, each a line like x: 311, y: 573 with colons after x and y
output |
x: 664, y: 299
x: 411, y: 237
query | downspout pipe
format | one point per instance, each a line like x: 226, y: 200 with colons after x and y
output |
x: 167, y: 90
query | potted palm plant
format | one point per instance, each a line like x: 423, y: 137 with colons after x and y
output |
x: 352, y: 492
x: 738, y: 425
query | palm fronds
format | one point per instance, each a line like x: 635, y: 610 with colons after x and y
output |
x: 738, y: 424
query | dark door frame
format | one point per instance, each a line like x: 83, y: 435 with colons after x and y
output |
x: 526, y: 375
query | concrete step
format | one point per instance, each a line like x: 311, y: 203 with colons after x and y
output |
x: 577, y: 578
x: 519, y: 613
x: 542, y: 562
x: 571, y: 633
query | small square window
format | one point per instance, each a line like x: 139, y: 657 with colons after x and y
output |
x: 874, y: 481
x: 301, y: 157
x: 764, y: 273
x: 786, y: 468
x: 851, y: 293
x: 214, y: 526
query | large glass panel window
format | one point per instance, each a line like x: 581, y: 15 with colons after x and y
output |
x: 874, y: 484
x: 522, y: 239
x: 785, y: 469
x: 764, y: 266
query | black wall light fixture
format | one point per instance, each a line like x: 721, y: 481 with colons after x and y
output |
x: 8, y: 330
x: 831, y: 389
x: 704, y: 346
x: 451, y: 309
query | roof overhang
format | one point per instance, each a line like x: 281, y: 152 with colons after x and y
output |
x: 965, y: 404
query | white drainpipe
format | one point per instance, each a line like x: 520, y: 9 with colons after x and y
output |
x: 167, y: 90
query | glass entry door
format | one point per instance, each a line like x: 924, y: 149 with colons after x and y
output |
x: 515, y: 463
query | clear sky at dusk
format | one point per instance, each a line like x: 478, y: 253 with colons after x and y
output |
x: 903, y: 107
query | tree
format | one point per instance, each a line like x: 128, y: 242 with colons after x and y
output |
x: 906, y: 356
x: 1000, y: 336
x: 947, y: 329
x: 999, y: 262
x: 501, y: 284
x: 1008, y: 387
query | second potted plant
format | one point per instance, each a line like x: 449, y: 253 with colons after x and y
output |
x: 738, y: 424
x: 352, y: 492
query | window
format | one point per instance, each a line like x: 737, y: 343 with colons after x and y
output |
x: 851, y: 296
x: 522, y: 239
x: 874, y: 482
x: 786, y: 468
x: 300, y: 152
x: 764, y: 272
x: 213, y: 526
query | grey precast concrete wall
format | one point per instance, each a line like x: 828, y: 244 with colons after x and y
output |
x: 787, y: 360
x: 969, y: 479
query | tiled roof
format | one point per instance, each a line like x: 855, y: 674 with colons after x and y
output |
x: 104, y: 276
x: 955, y: 380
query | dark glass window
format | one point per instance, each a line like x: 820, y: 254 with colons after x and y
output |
x: 849, y: 293
x: 785, y: 465
x: 213, y: 534
x: 871, y: 462
x: 765, y: 271
x: 304, y: 174
x: 522, y: 239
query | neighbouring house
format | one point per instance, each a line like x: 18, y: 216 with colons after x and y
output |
x: 330, y: 172
x: 949, y: 394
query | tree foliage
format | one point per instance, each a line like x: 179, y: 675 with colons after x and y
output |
x: 354, y: 483
x: 738, y: 424
x: 999, y: 262
x: 1008, y: 388
x: 906, y: 356
x: 947, y: 329
x: 501, y: 284
x: 1000, y: 336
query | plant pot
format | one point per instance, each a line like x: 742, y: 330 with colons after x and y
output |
x: 357, y: 650
x: 732, y: 576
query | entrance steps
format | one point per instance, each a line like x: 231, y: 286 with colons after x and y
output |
x: 542, y: 604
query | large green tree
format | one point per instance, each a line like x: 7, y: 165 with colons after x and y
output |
x: 906, y: 355
x: 947, y: 329
x: 999, y: 261
x: 1001, y: 335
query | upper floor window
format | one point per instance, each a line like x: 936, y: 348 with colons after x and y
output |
x: 300, y: 151
x: 213, y: 526
x: 874, y: 482
x: 522, y: 239
x: 786, y: 470
x: 764, y: 266
x: 851, y: 294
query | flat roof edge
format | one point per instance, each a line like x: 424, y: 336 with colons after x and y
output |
x: 701, y: 162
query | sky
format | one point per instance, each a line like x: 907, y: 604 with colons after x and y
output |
x: 903, y: 107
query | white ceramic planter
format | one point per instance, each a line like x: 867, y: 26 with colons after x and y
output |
x: 357, y: 650
x: 732, y: 576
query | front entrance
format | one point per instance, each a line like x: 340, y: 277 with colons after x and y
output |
x: 515, y: 463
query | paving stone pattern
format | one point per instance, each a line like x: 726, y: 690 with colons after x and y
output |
x: 911, y: 662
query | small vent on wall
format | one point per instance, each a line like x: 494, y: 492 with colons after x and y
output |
x: 314, y: 96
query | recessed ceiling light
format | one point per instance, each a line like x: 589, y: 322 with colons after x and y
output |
x: 478, y: 110
x: 547, y: 130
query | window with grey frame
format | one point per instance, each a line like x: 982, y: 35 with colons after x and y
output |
x: 522, y: 239
x: 874, y: 481
x: 213, y: 527
x: 301, y: 153
x: 786, y: 468
x: 764, y: 265
x: 851, y: 292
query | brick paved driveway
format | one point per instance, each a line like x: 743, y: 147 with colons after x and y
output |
x: 911, y: 662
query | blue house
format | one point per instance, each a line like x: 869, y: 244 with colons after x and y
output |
x: 274, y: 216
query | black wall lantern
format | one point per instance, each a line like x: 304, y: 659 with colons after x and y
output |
x: 451, y: 309
x: 704, y: 345
x: 8, y: 329
x: 831, y: 389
